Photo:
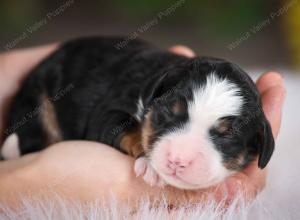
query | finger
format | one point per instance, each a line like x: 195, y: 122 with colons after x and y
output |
x: 268, y: 80
x: 234, y: 187
x: 246, y: 185
x: 182, y: 50
x: 272, y: 101
x: 16, y: 64
x: 273, y: 94
x: 253, y: 178
x: 241, y: 187
x: 255, y: 175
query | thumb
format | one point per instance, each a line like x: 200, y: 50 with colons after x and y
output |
x: 273, y: 99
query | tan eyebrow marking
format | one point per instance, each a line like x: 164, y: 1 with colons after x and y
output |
x: 223, y: 125
x: 178, y: 107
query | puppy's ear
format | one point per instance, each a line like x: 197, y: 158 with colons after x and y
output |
x: 153, y: 89
x: 265, y: 144
x: 162, y: 87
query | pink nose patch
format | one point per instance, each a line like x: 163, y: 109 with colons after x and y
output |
x: 184, y: 162
x: 186, y: 158
x: 178, y: 163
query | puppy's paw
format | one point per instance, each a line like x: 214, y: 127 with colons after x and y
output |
x: 10, y: 148
x: 143, y: 168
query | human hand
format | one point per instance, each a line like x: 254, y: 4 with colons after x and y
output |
x: 86, y: 170
x: 14, y: 67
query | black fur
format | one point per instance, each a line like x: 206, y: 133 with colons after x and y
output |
x: 106, y: 83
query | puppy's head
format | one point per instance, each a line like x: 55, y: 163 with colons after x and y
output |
x: 203, y: 121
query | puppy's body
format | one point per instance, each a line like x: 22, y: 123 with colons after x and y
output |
x: 102, y: 81
x: 138, y: 98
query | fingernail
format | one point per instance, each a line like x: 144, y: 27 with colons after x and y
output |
x: 280, y: 97
x: 183, y: 50
x: 276, y: 77
x: 275, y: 103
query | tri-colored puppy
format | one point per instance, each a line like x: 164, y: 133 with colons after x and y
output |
x: 190, y: 122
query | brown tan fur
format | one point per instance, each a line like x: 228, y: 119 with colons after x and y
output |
x: 131, y: 143
x: 49, y: 121
x: 147, y: 131
x: 224, y: 126
x: 178, y: 107
x: 137, y: 142
x: 237, y: 163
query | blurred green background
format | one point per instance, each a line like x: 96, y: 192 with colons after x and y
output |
x: 255, y: 34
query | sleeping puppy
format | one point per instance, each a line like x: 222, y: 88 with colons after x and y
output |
x: 189, y: 122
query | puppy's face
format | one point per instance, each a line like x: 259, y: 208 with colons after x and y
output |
x: 202, y: 122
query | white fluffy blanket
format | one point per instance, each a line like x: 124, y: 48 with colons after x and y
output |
x: 279, y: 200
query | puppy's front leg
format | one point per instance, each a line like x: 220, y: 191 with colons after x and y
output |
x: 131, y: 144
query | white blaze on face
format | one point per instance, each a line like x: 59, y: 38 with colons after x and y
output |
x: 187, y: 158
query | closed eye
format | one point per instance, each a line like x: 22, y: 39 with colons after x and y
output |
x: 224, y: 125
